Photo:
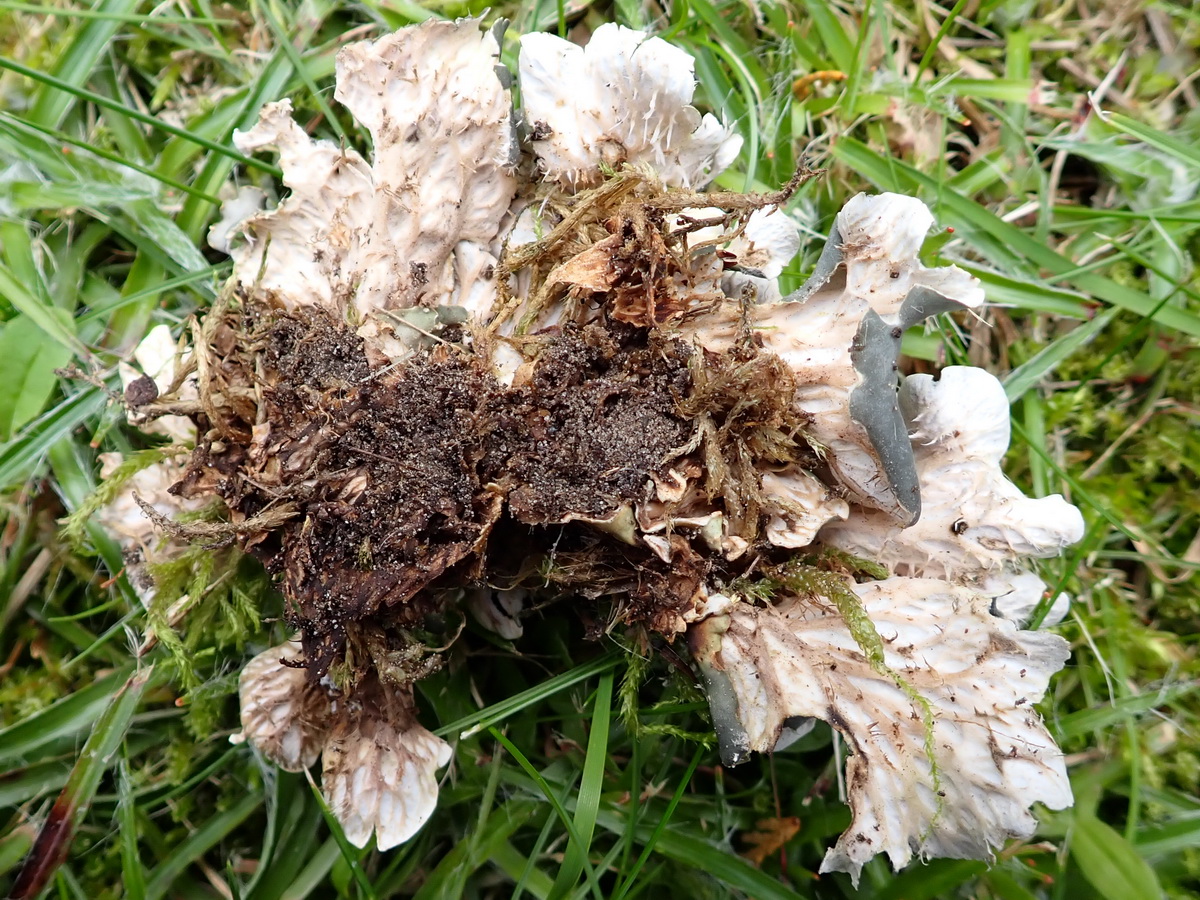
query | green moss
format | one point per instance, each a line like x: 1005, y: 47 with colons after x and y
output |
x: 207, y: 605
x: 76, y: 524
x: 632, y: 713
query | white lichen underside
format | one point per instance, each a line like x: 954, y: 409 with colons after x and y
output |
x: 421, y: 222
x: 880, y: 239
x: 624, y: 98
x: 980, y: 677
x: 975, y: 524
x: 379, y: 765
x: 283, y: 716
x: 380, y: 769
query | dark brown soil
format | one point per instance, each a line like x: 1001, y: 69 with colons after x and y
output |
x: 401, y: 474
x: 598, y: 416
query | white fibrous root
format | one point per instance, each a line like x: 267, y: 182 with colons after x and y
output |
x: 534, y: 330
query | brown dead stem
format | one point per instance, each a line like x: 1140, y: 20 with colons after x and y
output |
x: 219, y: 534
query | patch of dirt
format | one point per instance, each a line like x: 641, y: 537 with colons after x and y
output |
x: 400, y: 474
x: 598, y: 416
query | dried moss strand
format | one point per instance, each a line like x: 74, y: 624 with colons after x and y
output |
x: 222, y: 532
x: 587, y: 206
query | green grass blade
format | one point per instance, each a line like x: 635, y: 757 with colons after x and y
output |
x: 52, y: 322
x: 20, y: 785
x: 520, y: 869
x: 1109, y: 714
x: 298, y: 64
x: 498, y: 712
x: 14, y: 846
x: 589, y: 789
x: 269, y: 84
x: 833, y: 37
x: 27, y: 372
x: 132, y: 870
x: 200, y: 841
x: 1170, y: 839
x: 552, y: 796
x: 1029, y: 294
x: 703, y: 854
x: 1186, y: 152
x: 69, y: 716
x: 931, y: 51
x: 76, y: 12
x: 1110, y: 863
x: 314, y: 872
x: 54, y: 839
x: 64, y: 138
x: 78, y: 60
x: 144, y: 118
x: 657, y: 834
x: 472, y: 851
x: 349, y: 853
x: 1027, y: 375
x: 941, y: 878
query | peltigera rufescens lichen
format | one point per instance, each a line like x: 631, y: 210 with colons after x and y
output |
x: 509, y: 335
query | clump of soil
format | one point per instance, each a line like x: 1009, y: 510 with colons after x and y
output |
x: 598, y: 416
x: 399, y: 475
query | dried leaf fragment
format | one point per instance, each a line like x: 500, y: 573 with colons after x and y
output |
x: 768, y: 836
